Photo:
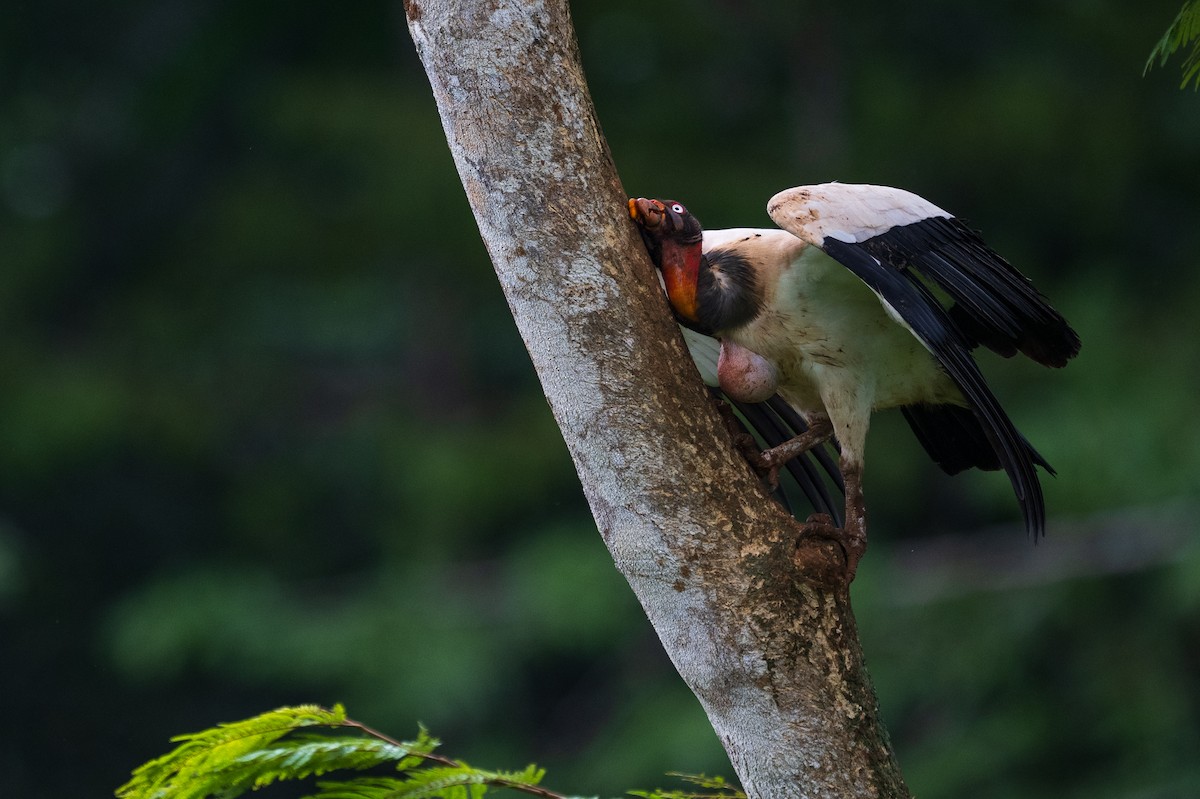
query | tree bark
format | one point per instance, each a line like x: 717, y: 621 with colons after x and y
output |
x: 744, y: 607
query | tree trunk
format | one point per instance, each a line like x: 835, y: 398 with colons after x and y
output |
x: 743, y: 607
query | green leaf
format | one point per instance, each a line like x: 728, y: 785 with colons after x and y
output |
x: 297, y: 759
x: 713, y: 788
x: 459, y: 781
x: 234, y: 757
x: 1183, y: 31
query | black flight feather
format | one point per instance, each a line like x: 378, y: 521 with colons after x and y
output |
x: 728, y: 295
x: 921, y: 311
x: 793, y: 420
x: 996, y: 305
x: 773, y: 430
x: 952, y: 437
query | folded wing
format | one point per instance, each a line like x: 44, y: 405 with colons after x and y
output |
x: 994, y: 304
x: 904, y: 248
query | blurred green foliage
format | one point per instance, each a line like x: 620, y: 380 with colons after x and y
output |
x: 268, y: 435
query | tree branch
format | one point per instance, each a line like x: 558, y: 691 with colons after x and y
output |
x: 745, y: 615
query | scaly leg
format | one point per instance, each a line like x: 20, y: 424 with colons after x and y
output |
x: 851, y: 537
x: 770, y: 461
x: 854, y: 529
x: 849, y: 406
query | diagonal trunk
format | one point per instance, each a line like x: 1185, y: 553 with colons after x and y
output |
x: 767, y: 644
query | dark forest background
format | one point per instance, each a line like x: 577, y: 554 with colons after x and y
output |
x: 268, y: 435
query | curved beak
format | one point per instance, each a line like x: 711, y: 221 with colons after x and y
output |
x: 649, y: 214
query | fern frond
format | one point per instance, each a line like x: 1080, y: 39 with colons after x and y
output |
x: 182, y: 772
x: 459, y: 781
x: 1183, y: 31
x: 313, y: 757
x: 235, y: 757
x: 714, y: 788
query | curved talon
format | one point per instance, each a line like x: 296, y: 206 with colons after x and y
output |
x: 766, y: 467
x: 820, y: 526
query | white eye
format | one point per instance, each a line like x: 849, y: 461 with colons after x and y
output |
x: 677, y: 208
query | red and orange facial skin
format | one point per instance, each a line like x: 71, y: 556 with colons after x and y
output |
x: 675, y: 241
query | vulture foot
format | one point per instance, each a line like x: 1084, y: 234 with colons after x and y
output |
x: 818, y: 539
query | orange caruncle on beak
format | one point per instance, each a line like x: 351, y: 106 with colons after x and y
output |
x: 648, y: 213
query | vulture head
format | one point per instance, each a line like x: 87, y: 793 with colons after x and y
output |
x: 675, y: 240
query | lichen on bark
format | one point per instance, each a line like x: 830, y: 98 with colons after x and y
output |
x: 743, y: 606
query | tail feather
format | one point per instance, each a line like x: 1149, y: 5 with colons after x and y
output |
x: 955, y: 439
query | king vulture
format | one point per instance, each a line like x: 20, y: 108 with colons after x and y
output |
x: 868, y: 298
